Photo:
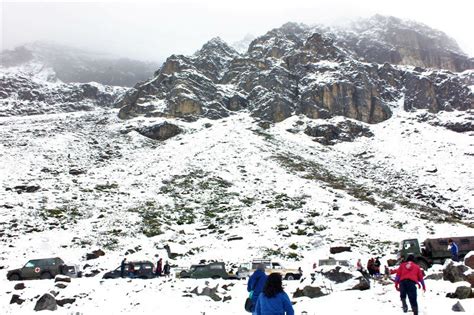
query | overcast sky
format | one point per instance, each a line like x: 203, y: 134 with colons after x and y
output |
x: 153, y: 30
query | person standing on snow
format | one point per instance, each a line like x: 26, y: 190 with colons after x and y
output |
x: 273, y: 300
x: 255, y: 285
x: 377, y: 265
x: 122, y: 268
x: 159, y: 267
x: 167, y: 269
x: 453, y: 248
x: 409, y: 275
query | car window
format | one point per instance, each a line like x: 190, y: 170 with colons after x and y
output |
x: 216, y: 267
x: 200, y: 269
x: 31, y: 264
x: 276, y: 265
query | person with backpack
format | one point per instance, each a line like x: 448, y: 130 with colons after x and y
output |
x: 409, y: 275
x: 454, y: 249
x: 255, y: 285
x: 273, y: 300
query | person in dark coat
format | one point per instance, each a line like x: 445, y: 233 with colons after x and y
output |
x: 371, y: 267
x: 159, y: 267
x: 167, y: 269
x: 122, y: 268
x: 273, y: 300
x: 454, y: 249
x: 409, y: 275
x: 255, y: 285
x: 377, y: 265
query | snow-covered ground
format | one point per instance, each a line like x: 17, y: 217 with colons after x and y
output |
x: 286, y: 196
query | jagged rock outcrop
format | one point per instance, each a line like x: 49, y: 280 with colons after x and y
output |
x: 162, y: 131
x: 329, y: 134
x: 389, y: 39
x: 297, y: 69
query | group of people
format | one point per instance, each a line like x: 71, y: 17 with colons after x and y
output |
x: 128, y: 269
x: 266, y: 294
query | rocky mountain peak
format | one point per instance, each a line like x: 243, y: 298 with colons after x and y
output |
x: 317, y: 72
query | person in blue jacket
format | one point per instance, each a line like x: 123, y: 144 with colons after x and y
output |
x: 256, y: 283
x: 453, y: 247
x: 273, y: 300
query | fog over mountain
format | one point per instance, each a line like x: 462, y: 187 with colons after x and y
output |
x: 153, y: 30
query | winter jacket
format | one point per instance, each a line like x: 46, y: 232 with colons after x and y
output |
x: 454, y: 249
x: 277, y: 305
x: 256, y: 283
x: 410, y: 271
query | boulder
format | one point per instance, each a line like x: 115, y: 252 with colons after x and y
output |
x: 434, y: 276
x: 162, y: 131
x: 469, y: 260
x: 391, y: 262
x: 16, y: 299
x: 46, y: 302
x: 458, y: 307
x: 210, y: 292
x: 62, y: 279
x: 308, y: 291
x: 61, y: 285
x: 95, y: 254
x: 363, y: 284
x: 339, y: 249
x: 19, y: 286
x: 454, y: 272
x: 337, y: 276
x: 65, y: 301
x: 463, y: 292
x: 346, y: 131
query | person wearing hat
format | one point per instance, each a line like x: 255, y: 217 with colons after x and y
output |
x: 409, y: 275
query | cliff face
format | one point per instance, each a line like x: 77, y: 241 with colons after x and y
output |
x: 321, y: 73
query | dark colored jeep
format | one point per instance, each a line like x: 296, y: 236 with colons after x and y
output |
x: 142, y: 270
x: 46, y: 268
x: 213, y: 270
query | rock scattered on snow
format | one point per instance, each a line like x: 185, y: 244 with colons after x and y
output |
x: 46, y: 302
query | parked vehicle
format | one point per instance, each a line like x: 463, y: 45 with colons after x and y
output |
x: 246, y: 269
x: 332, y: 262
x: 213, y: 270
x: 142, y: 270
x: 45, y: 268
x: 435, y: 250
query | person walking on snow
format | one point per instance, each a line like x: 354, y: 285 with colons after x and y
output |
x: 255, y: 285
x: 167, y: 269
x: 273, y: 300
x: 453, y: 248
x: 409, y: 275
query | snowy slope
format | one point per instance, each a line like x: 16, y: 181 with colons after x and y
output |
x: 193, y: 192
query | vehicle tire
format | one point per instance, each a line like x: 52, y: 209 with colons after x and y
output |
x: 289, y: 276
x: 14, y: 277
x: 423, y: 264
x: 46, y: 275
x: 183, y: 275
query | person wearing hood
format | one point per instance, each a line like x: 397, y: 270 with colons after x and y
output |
x: 273, y: 300
x: 409, y: 275
x: 255, y: 285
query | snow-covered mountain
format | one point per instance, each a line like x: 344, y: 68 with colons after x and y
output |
x: 298, y: 145
x: 77, y: 65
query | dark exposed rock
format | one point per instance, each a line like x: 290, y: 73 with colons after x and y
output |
x: 19, y: 286
x: 454, y: 272
x: 65, y: 301
x: 337, y: 276
x: 308, y: 291
x: 16, y: 299
x: 76, y: 171
x: 363, y: 284
x: 339, y: 249
x: 25, y: 188
x: 461, y: 293
x: 227, y: 298
x: 469, y: 260
x: 328, y: 134
x: 62, y: 279
x: 458, y: 307
x: 210, y: 292
x: 162, y: 131
x: 391, y: 262
x: 434, y: 276
x: 46, y: 302
x: 61, y: 285
x: 95, y: 254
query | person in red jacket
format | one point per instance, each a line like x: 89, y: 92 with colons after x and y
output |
x: 409, y: 275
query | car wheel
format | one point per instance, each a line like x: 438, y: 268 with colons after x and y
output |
x: 290, y: 276
x: 14, y: 277
x: 46, y: 275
